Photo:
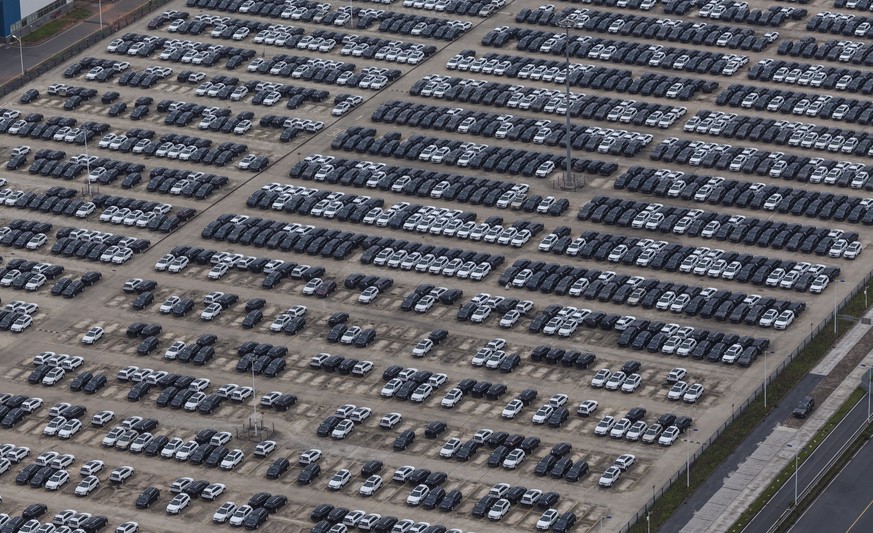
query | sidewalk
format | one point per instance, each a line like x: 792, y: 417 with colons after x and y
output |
x: 744, y: 484
x: 10, y: 55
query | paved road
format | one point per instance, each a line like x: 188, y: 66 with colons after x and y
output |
x: 813, y: 465
x: 10, y: 55
x: 847, y: 504
x: 709, y: 487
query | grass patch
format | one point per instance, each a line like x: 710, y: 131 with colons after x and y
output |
x: 54, y: 27
x: 725, y: 444
x: 788, y: 471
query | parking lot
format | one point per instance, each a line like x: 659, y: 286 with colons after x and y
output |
x: 424, y: 133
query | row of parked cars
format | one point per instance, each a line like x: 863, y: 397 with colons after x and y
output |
x: 626, y: 52
x: 513, y: 161
x: 796, y: 73
x: 787, y: 101
x: 794, y: 237
x: 419, y: 182
x: 805, y: 134
x: 715, y: 190
x: 617, y: 142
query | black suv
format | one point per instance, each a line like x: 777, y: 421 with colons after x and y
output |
x: 804, y: 407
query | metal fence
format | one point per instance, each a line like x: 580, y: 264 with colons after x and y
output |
x: 73, y: 50
x: 770, y: 378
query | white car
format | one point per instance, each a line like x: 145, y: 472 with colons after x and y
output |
x: 223, y: 513
x: 92, y: 335
x: 450, y: 448
x: 587, y: 408
x: 178, y: 264
x: 600, y: 378
x: 542, y: 414
x: 213, y: 491
x: 636, y: 431
x: 547, y: 519
x: 610, y: 477
x: 693, y: 394
x: 371, y: 485
x: 452, y: 398
x: 604, y: 426
x: 339, y: 480
x: 309, y: 456
x: 631, y: 383
x: 69, y: 429
x: 422, y: 348
x: 669, y: 436
x: 514, y: 459
x: 164, y: 262
x: 211, y: 312
x: 677, y: 391
x: 512, y: 409
x: 418, y: 494
x: 87, y: 486
x: 265, y: 448
x: 390, y: 420
x: 343, y: 429
x: 620, y: 428
x: 57, y: 480
x: 239, y: 516
x: 625, y: 461
x: 501, y: 507
x: 101, y: 418
x: 178, y: 503
x: 22, y: 323
x: 232, y: 459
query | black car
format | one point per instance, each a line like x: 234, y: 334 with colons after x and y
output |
x: 575, y: 473
x: 274, y: 503
x: 279, y: 467
x: 484, y: 505
x: 147, y: 498
x: 256, y: 518
x: 435, y: 429
x: 309, y: 474
x: 451, y: 500
x: 404, y: 440
x: 804, y: 407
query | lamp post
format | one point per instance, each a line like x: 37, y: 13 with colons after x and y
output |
x: 607, y: 516
x: 796, y: 470
x: 867, y: 376
x: 765, y: 376
x: 254, y: 403
x: 87, y: 166
x: 568, y: 23
x: 835, y: 308
x: 865, y: 297
x: 688, y: 458
x: 20, y: 52
x: 100, y: 10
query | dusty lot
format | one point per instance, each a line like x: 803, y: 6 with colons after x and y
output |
x: 60, y: 323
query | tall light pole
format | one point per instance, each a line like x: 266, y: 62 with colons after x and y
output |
x: 568, y: 23
x: 100, y: 11
x: 254, y: 403
x: 688, y: 458
x: 766, y: 353
x: 867, y: 376
x: 87, y: 165
x: 835, y: 308
x: 20, y: 52
x: 796, y: 470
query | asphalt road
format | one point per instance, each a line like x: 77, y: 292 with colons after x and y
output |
x: 709, y: 487
x: 11, y: 56
x: 846, y: 504
x: 808, y: 470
